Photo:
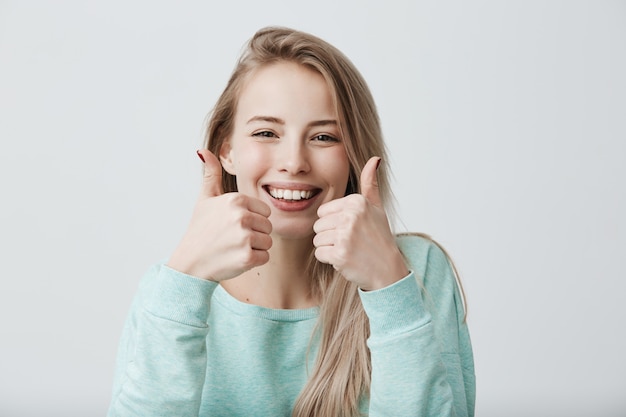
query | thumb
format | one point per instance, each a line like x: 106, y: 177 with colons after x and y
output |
x: 369, y: 181
x: 212, y: 178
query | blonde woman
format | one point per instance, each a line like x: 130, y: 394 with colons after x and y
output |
x: 289, y: 295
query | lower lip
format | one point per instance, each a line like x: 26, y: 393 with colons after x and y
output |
x: 293, y: 205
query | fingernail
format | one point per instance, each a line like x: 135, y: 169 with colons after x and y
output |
x: 200, y: 156
x: 378, y: 163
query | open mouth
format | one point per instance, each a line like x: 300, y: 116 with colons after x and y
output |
x: 291, y: 195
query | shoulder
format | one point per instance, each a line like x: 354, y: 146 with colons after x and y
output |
x: 434, y: 270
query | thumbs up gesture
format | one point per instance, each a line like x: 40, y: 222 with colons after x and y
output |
x: 228, y: 233
x: 353, y: 235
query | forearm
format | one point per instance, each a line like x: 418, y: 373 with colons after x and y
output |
x: 409, y: 377
x: 162, y: 357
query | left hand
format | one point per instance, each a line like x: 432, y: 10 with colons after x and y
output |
x: 353, y: 235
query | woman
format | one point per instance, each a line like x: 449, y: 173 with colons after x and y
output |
x: 289, y: 294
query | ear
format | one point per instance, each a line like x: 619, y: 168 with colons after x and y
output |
x: 226, y: 157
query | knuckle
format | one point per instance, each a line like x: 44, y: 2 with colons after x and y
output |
x: 263, y: 257
x: 247, y: 241
x: 350, y: 217
x: 341, y: 255
x: 247, y: 258
x: 360, y: 205
x: 355, y: 200
x: 236, y: 199
x: 250, y: 258
x: 268, y: 242
x: 241, y: 218
x: 319, y: 254
x: 244, y: 220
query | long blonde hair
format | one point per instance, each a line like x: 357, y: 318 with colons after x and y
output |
x: 341, y: 374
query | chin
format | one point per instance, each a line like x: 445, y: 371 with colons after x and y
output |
x: 292, y: 229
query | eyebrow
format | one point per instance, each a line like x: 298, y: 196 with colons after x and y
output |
x: 279, y: 121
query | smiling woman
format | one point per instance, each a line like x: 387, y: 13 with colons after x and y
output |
x: 289, y: 294
x: 285, y: 138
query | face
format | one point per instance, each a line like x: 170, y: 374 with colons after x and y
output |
x: 286, y: 148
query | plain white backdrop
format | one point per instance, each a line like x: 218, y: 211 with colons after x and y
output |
x: 506, y: 124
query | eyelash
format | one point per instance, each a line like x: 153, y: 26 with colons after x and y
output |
x: 328, y: 138
x: 265, y: 134
x: 317, y: 138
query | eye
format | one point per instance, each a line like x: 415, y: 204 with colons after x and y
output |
x: 265, y: 134
x: 324, y: 138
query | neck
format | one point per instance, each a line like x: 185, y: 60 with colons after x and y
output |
x: 283, y: 282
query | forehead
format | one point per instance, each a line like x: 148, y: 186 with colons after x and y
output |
x: 285, y: 89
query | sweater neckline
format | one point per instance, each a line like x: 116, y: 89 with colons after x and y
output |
x: 244, y: 309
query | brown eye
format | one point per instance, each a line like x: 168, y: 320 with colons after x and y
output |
x: 324, y: 138
x: 264, y: 134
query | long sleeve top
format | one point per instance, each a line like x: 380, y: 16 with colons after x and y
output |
x: 189, y: 348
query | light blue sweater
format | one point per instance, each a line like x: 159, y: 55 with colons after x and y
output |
x: 190, y: 349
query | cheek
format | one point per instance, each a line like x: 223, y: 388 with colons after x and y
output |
x: 250, y: 163
x: 339, y: 169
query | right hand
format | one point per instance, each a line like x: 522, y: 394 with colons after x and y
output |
x: 228, y: 233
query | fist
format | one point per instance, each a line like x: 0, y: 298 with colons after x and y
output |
x: 353, y: 234
x: 228, y: 233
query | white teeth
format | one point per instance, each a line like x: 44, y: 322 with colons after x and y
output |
x: 290, y: 194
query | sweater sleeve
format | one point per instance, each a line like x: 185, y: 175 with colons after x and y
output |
x: 161, y: 359
x: 422, y: 364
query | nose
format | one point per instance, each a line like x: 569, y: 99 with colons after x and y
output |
x: 293, y: 157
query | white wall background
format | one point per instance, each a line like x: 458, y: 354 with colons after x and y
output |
x: 506, y: 123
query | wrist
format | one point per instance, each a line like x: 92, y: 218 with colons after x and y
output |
x: 394, y: 310
x: 185, y: 266
x: 395, y: 270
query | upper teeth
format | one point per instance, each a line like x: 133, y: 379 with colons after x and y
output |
x: 290, y: 194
